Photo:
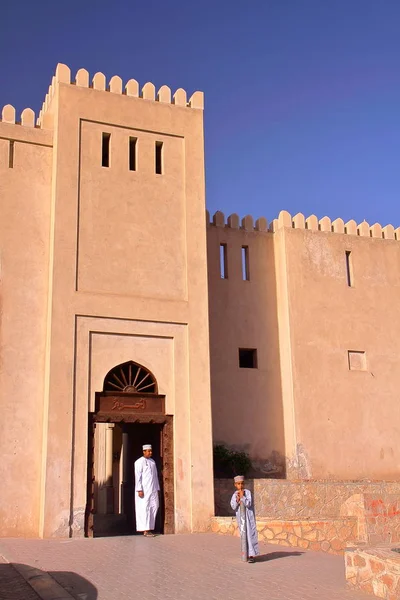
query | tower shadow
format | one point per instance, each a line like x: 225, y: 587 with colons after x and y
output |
x: 25, y: 581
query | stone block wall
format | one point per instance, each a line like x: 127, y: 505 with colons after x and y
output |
x: 329, y: 535
x: 370, y: 509
x: 374, y: 571
x: 282, y: 499
x: 382, y: 518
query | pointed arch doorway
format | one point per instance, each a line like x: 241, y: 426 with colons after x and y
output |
x: 129, y: 412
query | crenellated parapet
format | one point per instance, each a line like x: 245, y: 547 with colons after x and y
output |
x: 234, y: 222
x: 299, y: 221
x: 116, y: 86
x: 8, y: 115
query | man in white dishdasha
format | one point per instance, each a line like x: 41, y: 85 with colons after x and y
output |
x: 147, y: 488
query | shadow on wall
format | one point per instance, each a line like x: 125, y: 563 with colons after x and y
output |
x: 14, y: 584
x: 231, y: 461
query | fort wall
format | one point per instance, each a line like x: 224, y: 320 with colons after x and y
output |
x: 246, y: 403
x: 106, y: 258
x: 335, y: 287
x: 25, y: 181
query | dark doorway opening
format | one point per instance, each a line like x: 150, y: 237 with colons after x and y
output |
x: 115, y: 442
x: 114, y: 502
x: 138, y: 434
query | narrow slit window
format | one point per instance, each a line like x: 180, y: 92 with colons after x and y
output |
x: 247, y: 358
x: 11, y: 155
x: 245, y: 263
x: 223, y: 261
x: 105, y: 150
x: 349, y: 269
x: 132, y: 153
x: 159, y: 158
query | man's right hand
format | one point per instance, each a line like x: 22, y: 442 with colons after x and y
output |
x: 141, y: 494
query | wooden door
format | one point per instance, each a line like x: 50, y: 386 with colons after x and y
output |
x: 90, y: 478
x: 167, y: 453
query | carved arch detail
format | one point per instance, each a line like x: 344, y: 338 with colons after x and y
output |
x: 130, y: 378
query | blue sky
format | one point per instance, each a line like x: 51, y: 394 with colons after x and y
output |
x: 302, y: 96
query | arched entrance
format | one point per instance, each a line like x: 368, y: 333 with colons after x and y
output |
x: 129, y: 412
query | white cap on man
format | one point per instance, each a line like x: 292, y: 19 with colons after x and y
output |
x: 238, y: 478
x: 147, y: 447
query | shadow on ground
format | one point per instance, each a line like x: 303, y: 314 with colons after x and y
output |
x: 275, y: 555
x: 75, y: 584
x: 24, y: 582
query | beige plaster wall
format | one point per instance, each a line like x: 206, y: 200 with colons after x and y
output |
x: 347, y: 422
x: 121, y: 256
x: 246, y: 403
x: 303, y: 408
x: 118, y: 205
x: 24, y: 255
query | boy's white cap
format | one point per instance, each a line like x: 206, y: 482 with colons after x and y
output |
x: 147, y: 447
x: 238, y: 478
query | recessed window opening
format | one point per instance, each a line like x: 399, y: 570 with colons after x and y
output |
x: 132, y: 153
x: 105, y: 150
x: 247, y: 358
x: 245, y: 263
x: 11, y: 155
x: 349, y: 269
x: 357, y: 360
x: 159, y: 158
x: 223, y: 261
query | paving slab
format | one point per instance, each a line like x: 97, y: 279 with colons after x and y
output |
x: 13, y: 586
x: 173, y: 567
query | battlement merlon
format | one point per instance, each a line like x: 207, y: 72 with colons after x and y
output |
x: 299, y: 221
x: 23, y: 129
x: 27, y: 116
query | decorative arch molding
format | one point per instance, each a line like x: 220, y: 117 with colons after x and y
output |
x: 130, y: 397
x: 129, y: 390
x: 130, y: 378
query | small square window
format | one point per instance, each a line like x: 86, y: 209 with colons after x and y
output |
x: 247, y: 358
x: 357, y: 360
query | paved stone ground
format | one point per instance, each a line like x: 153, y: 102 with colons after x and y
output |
x: 190, y: 567
x: 12, y: 585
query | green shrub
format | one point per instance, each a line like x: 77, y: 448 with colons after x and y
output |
x: 228, y: 463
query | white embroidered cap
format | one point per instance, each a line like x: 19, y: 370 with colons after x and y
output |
x: 147, y: 447
x: 238, y: 478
